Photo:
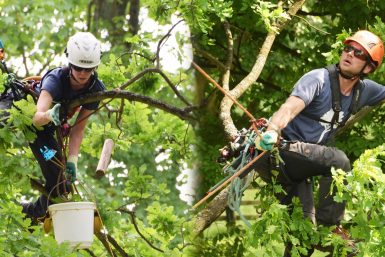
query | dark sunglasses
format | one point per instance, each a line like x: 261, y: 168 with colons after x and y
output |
x: 360, y: 54
x: 80, y: 69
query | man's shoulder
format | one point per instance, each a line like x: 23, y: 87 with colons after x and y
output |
x: 372, y: 83
x: 316, y: 76
x: 319, y: 72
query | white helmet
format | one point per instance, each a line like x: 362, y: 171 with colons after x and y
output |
x: 83, y: 50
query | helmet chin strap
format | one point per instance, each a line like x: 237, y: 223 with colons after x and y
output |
x: 361, y: 74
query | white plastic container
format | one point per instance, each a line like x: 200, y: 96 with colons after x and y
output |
x: 73, y: 222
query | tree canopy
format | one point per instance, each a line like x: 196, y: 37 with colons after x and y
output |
x: 169, y: 122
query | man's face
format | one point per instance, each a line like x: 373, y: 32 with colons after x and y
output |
x: 353, y: 59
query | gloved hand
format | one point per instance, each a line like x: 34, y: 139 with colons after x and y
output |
x: 71, y: 168
x: 54, y: 114
x: 267, y: 140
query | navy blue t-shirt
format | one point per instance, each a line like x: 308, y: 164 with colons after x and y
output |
x: 315, y: 90
x: 57, y: 83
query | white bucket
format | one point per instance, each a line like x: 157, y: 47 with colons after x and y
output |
x: 73, y: 222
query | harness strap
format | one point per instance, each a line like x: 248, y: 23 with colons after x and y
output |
x: 336, y: 99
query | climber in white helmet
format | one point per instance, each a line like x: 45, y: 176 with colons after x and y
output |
x: 59, y: 86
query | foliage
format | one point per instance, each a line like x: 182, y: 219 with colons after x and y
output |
x: 224, y: 242
x: 141, y: 135
x: 363, y: 190
x: 269, y: 13
x: 153, y: 147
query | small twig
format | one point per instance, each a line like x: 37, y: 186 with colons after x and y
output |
x: 162, y: 74
x: 168, y: 34
x: 174, y: 88
x: 133, y: 220
x: 90, y: 252
x: 210, y: 58
x: 136, y: 77
x: 119, y: 117
x: 314, y: 27
x: 102, y: 238
x: 184, y: 138
x: 116, y: 245
x: 184, y: 245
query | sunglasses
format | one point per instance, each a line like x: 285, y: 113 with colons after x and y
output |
x: 360, y: 54
x: 80, y: 69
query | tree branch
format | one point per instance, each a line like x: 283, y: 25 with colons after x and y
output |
x: 256, y: 70
x: 155, y: 70
x: 211, y: 212
x: 105, y: 240
x: 164, y: 38
x: 133, y: 220
x: 184, y: 114
x: 230, y: 45
x: 212, y: 59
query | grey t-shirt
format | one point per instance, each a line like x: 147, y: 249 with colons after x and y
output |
x: 315, y: 90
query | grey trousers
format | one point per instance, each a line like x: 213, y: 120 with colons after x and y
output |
x: 303, y: 161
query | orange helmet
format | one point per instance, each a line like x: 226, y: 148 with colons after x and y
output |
x: 371, y: 43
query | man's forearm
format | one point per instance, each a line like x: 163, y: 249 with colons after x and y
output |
x: 288, y: 111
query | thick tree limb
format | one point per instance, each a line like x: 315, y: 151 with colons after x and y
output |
x: 229, y: 61
x: 256, y: 70
x: 211, y: 212
x: 184, y: 114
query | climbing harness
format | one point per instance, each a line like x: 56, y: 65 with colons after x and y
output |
x: 336, y: 99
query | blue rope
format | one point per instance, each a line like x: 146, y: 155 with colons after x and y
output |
x: 238, y: 185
